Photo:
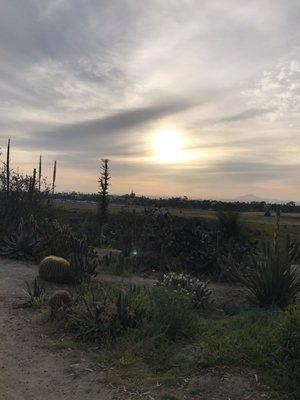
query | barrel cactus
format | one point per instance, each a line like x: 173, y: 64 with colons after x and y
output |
x: 59, y: 301
x: 55, y: 269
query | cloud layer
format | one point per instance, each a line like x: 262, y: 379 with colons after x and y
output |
x: 81, y: 80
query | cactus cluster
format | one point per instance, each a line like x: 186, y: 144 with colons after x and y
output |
x: 84, y: 260
x: 55, y: 269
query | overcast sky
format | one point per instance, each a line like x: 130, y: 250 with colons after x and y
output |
x: 85, y: 79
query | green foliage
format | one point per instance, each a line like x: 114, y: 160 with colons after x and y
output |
x: 228, y: 225
x: 197, y: 290
x: 19, y: 198
x: 84, y: 260
x: 59, y: 239
x: 272, y: 280
x: 20, y: 244
x: 35, y: 293
x: 159, y: 315
x: 102, y: 314
x: 56, y: 238
x: 171, y: 317
x: 156, y: 240
x: 55, y: 269
x: 271, y: 344
x: 118, y: 264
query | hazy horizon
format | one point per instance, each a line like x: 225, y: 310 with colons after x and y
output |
x: 184, y: 97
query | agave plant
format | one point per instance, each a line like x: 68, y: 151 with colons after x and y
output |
x: 273, y: 281
x: 20, y: 244
x: 35, y: 293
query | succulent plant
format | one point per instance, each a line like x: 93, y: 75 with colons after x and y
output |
x: 35, y: 293
x: 60, y: 298
x: 83, y: 260
x: 20, y: 244
x: 55, y: 269
x: 59, y: 301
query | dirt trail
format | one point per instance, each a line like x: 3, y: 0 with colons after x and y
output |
x: 28, y: 371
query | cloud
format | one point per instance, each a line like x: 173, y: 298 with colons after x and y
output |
x: 97, y: 78
x: 85, y: 132
x: 247, y: 114
x: 278, y: 89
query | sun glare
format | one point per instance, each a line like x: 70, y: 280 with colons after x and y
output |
x: 168, y: 146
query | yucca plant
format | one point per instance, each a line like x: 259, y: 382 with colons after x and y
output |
x: 272, y: 281
x: 35, y: 293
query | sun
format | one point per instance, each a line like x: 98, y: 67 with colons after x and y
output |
x: 168, y: 146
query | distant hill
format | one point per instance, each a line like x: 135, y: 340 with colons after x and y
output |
x: 248, y: 198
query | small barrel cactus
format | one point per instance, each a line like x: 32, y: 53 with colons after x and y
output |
x: 59, y: 301
x: 55, y: 269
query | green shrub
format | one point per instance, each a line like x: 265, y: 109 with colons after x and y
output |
x: 56, y: 238
x: 159, y: 314
x: 55, y: 269
x: 170, y: 317
x: 199, y: 291
x: 103, y: 313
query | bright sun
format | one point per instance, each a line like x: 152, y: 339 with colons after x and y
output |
x: 168, y: 147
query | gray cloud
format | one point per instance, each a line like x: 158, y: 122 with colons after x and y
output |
x: 84, y: 133
x: 247, y: 114
x: 96, y: 77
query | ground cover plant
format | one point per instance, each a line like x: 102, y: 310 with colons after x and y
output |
x: 161, y: 332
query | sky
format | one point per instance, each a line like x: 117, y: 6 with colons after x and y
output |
x: 82, y: 80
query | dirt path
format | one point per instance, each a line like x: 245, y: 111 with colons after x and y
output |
x: 28, y: 371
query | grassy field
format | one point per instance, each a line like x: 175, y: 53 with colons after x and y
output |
x: 256, y: 222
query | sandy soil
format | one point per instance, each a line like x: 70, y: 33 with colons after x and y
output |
x: 28, y: 371
x: 33, y: 366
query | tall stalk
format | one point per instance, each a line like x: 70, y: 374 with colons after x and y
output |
x: 276, y: 232
x: 33, y: 179
x: 40, y: 173
x: 54, y: 177
x: 8, y: 169
x: 103, y: 195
